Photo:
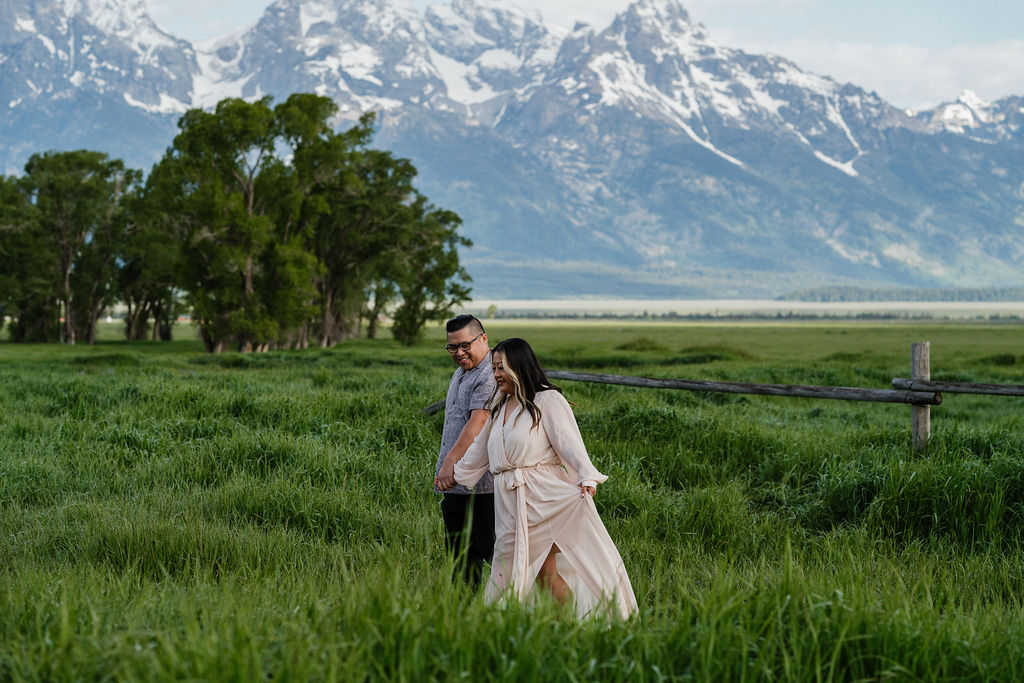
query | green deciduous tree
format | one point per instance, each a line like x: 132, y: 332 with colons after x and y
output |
x: 95, y: 275
x: 427, y: 272
x: 216, y: 187
x: 274, y: 228
x: 75, y: 223
x: 356, y: 240
x: 28, y: 284
x: 149, y: 267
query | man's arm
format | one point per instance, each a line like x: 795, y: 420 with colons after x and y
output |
x: 477, y: 419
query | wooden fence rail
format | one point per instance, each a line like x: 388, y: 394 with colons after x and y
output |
x: 958, y: 387
x: 918, y: 391
x: 930, y: 398
x: 911, y: 397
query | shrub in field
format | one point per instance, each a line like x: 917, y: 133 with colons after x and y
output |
x: 642, y: 344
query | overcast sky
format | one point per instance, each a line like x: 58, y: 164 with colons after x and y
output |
x: 914, y: 53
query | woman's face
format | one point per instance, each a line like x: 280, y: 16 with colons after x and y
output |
x: 501, y: 378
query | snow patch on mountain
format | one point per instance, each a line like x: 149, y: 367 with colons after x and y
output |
x: 460, y: 80
x: 911, y: 257
x: 126, y: 19
x: 957, y: 117
x: 979, y: 106
x: 219, y: 74
x: 760, y: 97
x: 851, y: 254
x: 845, y: 167
x: 313, y: 13
x: 360, y: 62
x: 25, y: 24
x: 167, y: 105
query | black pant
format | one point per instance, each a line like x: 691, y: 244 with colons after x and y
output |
x: 469, y: 531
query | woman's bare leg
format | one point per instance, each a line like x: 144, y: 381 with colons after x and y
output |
x: 552, y: 580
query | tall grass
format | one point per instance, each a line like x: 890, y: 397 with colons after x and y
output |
x: 167, y: 515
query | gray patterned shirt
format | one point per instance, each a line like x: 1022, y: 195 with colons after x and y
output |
x: 468, y: 391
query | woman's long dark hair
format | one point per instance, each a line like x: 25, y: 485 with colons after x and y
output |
x: 523, y: 368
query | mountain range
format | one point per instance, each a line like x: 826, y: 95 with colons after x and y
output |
x: 640, y: 159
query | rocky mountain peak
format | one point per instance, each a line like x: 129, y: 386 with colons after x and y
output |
x: 656, y: 16
x: 971, y: 99
x: 465, y: 28
x: 655, y: 43
x: 484, y: 49
x: 967, y: 113
x: 110, y: 16
x: 366, y: 18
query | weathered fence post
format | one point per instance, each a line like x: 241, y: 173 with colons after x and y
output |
x: 920, y: 415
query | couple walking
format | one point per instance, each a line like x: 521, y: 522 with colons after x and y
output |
x: 518, y: 483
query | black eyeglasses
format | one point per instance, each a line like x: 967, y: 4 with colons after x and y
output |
x: 463, y: 346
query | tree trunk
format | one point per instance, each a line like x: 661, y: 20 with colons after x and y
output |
x: 327, y: 321
x: 69, y: 328
x: 135, y: 323
x: 157, y: 311
x: 128, y: 318
x: 94, y: 316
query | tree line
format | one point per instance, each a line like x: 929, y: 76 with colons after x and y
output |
x: 271, y: 228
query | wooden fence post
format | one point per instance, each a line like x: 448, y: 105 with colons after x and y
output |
x: 920, y: 416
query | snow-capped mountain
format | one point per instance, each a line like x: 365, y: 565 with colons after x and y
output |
x: 641, y: 158
x: 972, y: 116
x: 88, y: 73
x: 103, y: 46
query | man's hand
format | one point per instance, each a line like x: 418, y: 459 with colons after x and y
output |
x: 446, y: 478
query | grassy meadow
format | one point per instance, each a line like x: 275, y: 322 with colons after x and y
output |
x: 167, y: 514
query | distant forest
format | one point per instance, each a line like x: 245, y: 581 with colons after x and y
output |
x: 953, y: 294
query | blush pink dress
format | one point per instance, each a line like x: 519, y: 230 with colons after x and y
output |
x: 537, y: 476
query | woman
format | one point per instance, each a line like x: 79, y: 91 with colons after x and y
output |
x: 548, y: 530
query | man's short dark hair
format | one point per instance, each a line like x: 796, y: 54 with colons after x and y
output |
x: 464, y: 320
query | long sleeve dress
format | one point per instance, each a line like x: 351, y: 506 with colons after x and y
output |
x: 537, y: 476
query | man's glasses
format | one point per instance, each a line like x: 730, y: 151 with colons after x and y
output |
x: 463, y: 346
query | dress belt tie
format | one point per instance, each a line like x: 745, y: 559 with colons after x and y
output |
x: 521, y: 549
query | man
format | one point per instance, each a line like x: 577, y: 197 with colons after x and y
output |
x: 468, y: 514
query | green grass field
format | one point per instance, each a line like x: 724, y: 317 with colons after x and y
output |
x: 167, y: 514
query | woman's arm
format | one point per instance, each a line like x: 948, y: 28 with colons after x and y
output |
x: 564, y: 434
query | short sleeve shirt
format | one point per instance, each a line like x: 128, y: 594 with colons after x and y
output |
x: 468, y: 391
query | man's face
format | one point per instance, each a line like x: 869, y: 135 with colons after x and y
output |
x: 478, y: 350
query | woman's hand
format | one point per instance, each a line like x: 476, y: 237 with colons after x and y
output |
x: 584, y: 490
